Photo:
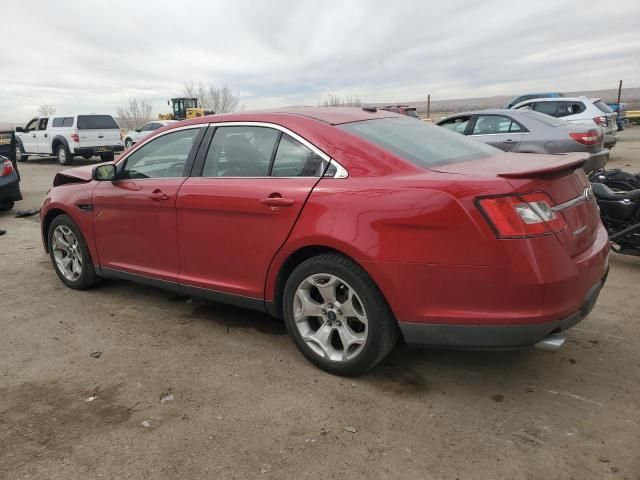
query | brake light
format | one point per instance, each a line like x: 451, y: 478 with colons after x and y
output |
x: 518, y: 216
x: 75, y: 137
x: 592, y: 137
x: 601, y: 121
x: 7, y: 168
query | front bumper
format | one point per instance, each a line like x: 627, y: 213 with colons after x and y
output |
x: 96, y: 150
x: 495, y: 336
x: 10, y: 188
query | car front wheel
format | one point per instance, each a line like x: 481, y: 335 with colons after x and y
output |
x: 70, y: 254
x: 20, y: 156
x: 337, y: 315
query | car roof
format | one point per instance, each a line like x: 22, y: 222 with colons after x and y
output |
x: 328, y: 115
x: 491, y: 111
x: 560, y: 99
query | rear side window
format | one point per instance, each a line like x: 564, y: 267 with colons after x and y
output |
x: 458, y: 124
x: 96, y: 122
x: 422, y: 144
x: 63, y: 122
x: 549, y: 108
x: 293, y: 159
x: 603, y: 107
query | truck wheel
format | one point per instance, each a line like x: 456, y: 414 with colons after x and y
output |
x: 20, y: 156
x: 64, y: 155
x: 128, y: 143
x: 107, y: 157
x: 6, y: 205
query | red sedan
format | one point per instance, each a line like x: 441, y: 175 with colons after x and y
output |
x: 356, y: 226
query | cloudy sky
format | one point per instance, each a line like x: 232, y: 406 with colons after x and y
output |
x: 91, y: 56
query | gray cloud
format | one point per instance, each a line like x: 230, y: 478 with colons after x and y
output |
x: 93, y: 56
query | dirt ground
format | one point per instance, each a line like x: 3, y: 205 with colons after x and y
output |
x: 247, y: 405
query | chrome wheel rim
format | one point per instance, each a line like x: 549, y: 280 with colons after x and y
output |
x: 62, y: 155
x: 330, y: 317
x: 128, y: 144
x: 18, y: 153
x: 66, y: 252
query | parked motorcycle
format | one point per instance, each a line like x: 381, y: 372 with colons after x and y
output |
x: 618, y: 196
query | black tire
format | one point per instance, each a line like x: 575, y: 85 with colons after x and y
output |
x: 383, y: 331
x: 20, y: 156
x: 87, y: 277
x: 64, y: 155
x: 6, y: 205
x: 107, y: 157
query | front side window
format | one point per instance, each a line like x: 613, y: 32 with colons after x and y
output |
x: 31, y: 126
x: 240, y: 151
x: 458, y: 124
x: 163, y: 157
x: 549, y: 108
x: 42, y: 124
x: 293, y: 159
x: 418, y: 142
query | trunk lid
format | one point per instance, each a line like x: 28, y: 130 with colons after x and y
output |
x: 559, y: 176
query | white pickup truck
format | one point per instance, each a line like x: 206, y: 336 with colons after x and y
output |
x: 67, y: 136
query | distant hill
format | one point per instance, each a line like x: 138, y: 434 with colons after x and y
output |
x: 630, y: 96
x: 8, y: 125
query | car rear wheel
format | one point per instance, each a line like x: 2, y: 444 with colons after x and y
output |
x: 70, y: 254
x: 337, y: 315
x: 64, y: 155
x: 20, y: 156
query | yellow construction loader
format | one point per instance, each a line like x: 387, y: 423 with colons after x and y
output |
x: 184, y: 108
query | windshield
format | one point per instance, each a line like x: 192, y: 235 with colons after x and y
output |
x: 544, y: 118
x: 421, y: 143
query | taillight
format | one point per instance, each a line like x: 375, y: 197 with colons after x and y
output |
x: 601, y: 121
x: 75, y: 137
x: 517, y: 216
x: 7, y: 168
x: 592, y: 137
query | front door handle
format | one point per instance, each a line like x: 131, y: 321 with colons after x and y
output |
x: 278, y: 201
x: 158, y: 195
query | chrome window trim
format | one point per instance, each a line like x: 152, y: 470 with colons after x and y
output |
x: 586, y: 195
x: 147, y: 140
x: 341, y: 172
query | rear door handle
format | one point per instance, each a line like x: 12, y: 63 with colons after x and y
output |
x: 277, y: 201
x: 157, y: 196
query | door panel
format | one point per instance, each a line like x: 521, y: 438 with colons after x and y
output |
x: 229, y: 229
x: 135, y: 226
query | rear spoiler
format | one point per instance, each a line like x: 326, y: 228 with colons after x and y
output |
x: 565, y: 161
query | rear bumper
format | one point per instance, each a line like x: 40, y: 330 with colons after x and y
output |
x: 495, y: 336
x: 94, y: 150
x: 610, y: 139
x: 596, y: 161
x: 10, y: 188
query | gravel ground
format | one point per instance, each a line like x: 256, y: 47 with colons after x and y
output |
x: 247, y: 405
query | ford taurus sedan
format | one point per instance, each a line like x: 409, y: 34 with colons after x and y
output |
x: 528, y: 131
x: 357, y: 227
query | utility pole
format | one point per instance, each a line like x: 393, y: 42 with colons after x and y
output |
x: 429, y: 106
x: 619, y: 91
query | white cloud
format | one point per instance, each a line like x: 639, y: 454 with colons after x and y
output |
x: 93, y: 56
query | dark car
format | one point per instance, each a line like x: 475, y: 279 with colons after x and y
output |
x: 402, y: 109
x: 9, y: 184
x: 528, y: 131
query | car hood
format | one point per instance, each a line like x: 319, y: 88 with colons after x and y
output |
x: 74, y: 175
x: 516, y: 165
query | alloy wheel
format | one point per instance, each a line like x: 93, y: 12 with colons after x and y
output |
x: 62, y: 156
x: 67, y: 253
x: 330, y: 317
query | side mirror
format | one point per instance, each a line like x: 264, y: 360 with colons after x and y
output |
x: 19, y: 130
x: 137, y: 130
x: 104, y: 173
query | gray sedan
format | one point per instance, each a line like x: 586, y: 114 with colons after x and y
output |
x: 528, y: 131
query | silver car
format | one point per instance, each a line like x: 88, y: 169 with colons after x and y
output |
x: 528, y: 131
x: 134, y: 136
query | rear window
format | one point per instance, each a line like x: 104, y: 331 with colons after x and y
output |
x: 96, y: 122
x: 423, y: 144
x: 603, y: 107
x: 542, y: 118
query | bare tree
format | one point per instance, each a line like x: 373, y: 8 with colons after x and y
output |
x: 46, y: 109
x: 334, y: 100
x: 219, y: 99
x: 134, y: 114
